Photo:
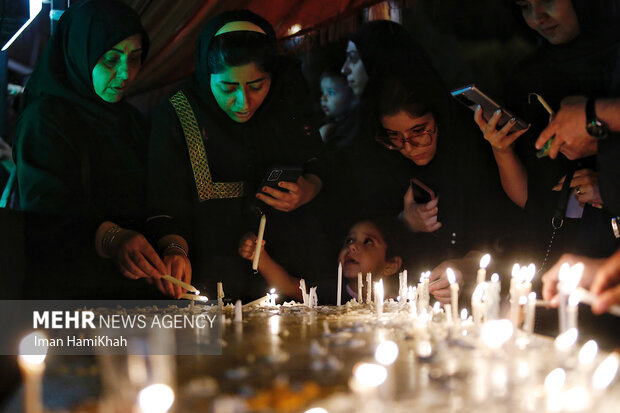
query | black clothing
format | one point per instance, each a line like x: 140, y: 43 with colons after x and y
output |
x: 584, y: 66
x: 277, y: 134
x: 80, y: 160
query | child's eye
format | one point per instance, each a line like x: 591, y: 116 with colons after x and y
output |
x: 368, y: 241
x: 348, y: 241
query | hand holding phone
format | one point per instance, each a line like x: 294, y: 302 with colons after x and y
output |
x: 422, y: 194
x: 472, y: 97
x: 421, y: 216
x: 278, y: 174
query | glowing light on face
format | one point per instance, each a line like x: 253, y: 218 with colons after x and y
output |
x: 156, y: 398
x: 386, y: 353
x: 117, y: 69
x: 353, y: 68
x: 240, y: 90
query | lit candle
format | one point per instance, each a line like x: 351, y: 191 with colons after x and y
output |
x: 31, y: 361
x: 259, y: 242
x: 573, y: 309
x: 360, y: 283
x: 568, y: 278
x: 379, y: 298
x: 313, y: 298
x: 493, y: 298
x: 156, y: 398
x: 454, y: 293
x: 238, y: 312
x: 304, y: 293
x: 448, y: 310
x: 426, y: 294
x: 271, y: 295
x: 482, y: 272
x: 412, y: 300
x: 368, y: 288
x: 478, y: 306
x: 220, y: 294
x: 339, y: 296
x: 530, y: 313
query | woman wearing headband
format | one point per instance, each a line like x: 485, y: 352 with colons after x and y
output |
x: 243, y: 112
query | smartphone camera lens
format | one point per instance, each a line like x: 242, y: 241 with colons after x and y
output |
x: 275, y: 175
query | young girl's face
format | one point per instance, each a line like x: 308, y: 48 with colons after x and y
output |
x: 363, y: 251
x: 336, y: 96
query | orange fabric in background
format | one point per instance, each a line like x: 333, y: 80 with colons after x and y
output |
x: 173, y: 27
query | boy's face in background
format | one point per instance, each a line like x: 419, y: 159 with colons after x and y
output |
x: 336, y: 96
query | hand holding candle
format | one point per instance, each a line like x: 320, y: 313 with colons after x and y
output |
x: 259, y: 243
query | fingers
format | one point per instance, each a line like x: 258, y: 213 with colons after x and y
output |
x: 280, y: 200
x: 606, y: 300
x: 479, y: 119
x: 545, y: 135
x: 291, y: 186
x: 550, y: 282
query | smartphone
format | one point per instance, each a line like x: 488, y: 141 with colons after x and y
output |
x: 471, y: 97
x: 279, y: 174
x: 422, y: 194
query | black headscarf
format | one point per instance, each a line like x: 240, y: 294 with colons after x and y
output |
x: 85, y: 32
x: 388, y: 49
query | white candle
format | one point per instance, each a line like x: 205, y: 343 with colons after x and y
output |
x: 379, y: 298
x: 313, y: 298
x: 482, y: 272
x: 569, y: 278
x: 220, y: 294
x: 339, y: 296
x: 572, y: 310
x: 493, y: 298
x: 238, y: 312
x: 477, y: 304
x: 360, y: 284
x: 427, y: 297
x: 32, y: 367
x: 530, y: 313
x: 259, y: 242
x: 454, y: 293
x: 412, y: 301
x: 304, y: 293
x: 368, y: 288
x: 448, y: 309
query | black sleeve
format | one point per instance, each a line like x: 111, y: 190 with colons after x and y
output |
x: 608, y: 161
x: 170, y: 179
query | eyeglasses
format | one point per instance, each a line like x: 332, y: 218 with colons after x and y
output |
x: 396, y: 141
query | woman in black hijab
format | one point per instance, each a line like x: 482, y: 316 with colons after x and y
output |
x: 579, y: 55
x: 244, y: 110
x: 81, y: 150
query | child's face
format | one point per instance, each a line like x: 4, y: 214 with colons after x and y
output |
x: 335, y: 96
x: 363, y: 251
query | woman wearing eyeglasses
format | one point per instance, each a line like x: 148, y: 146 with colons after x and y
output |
x: 427, y: 138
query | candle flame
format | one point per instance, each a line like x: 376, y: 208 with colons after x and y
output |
x: 495, y: 277
x: 531, y: 272
x: 369, y: 374
x: 605, y: 372
x: 566, y: 340
x: 555, y: 380
x: 451, y: 275
x: 495, y: 333
x: 563, y: 271
x: 523, y: 300
x: 588, y: 352
x: 436, y: 307
x: 485, y: 260
x: 156, y: 398
x: 523, y: 275
x: 531, y: 296
x: 464, y: 314
x: 515, y: 270
x: 571, y: 278
x: 272, y: 291
x: 386, y: 353
x: 30, y: 351
x: 294, y: 29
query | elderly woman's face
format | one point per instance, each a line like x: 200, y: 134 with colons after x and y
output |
x: 240, y: 90
x: 415, y: 136
x: 354, y: 70
x: 555, y: 20
x: 117, y: 68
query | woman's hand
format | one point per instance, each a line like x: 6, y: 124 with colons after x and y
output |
x: 135, y: 257
x: 585, y: 182
x: 420, y: 217
x: 299, y: 193
x: 247, y: 246
x: 178, y: 266
x: 441, y: 287
x: 500, y: 139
